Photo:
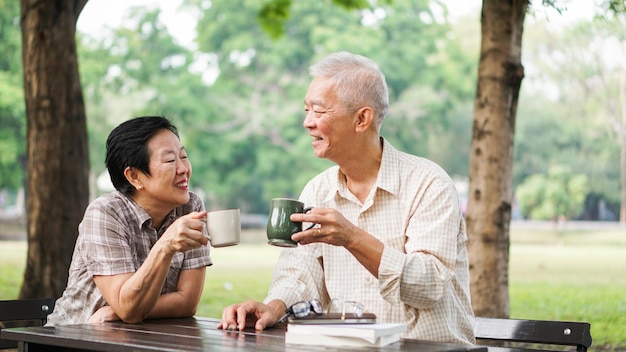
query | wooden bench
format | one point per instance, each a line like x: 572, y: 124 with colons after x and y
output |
x: 520, y: 335
x: 23, y: 312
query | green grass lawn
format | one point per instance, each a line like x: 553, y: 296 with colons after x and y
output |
x: 574, y: 275
x: 568, y: 275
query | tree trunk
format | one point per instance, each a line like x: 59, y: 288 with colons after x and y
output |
x: 500, y: 74
x: 58, y: 164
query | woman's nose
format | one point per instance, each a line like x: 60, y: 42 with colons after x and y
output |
x: 183, y: 166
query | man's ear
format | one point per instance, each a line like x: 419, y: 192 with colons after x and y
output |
x: 132, y: 175
x: 365, y: 118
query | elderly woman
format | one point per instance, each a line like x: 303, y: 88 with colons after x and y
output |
x: 141, y: 252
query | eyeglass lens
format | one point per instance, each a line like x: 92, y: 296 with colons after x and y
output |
x: 357, y: 308
x: 303, y: 309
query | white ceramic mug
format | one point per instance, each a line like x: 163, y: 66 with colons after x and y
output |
x: 223, y: 227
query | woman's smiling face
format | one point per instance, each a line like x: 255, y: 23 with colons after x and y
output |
x: 170, y: 171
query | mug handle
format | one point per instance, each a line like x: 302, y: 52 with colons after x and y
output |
x: 306, y: 210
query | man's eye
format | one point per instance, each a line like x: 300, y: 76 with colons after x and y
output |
x: 317, y: 113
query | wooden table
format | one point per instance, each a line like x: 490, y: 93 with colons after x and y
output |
x: 188, y: 334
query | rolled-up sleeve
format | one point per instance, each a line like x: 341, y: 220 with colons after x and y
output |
x: 419, y: 274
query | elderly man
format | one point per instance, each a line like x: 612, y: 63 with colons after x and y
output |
x: 389, y: 232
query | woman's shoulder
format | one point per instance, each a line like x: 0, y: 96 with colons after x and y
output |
x: 195, y: 202
x: 114, y: 199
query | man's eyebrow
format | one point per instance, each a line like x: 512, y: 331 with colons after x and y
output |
x: 313, y: 102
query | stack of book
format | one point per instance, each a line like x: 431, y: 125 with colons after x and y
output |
x: 350, y: 335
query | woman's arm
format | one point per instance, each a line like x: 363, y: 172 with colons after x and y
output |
x: 133, y: 296
x: 183, y: 302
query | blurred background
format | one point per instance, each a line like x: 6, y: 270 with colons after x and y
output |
x: 236, y: 95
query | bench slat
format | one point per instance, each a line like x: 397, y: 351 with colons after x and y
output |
x: 564, y: 333
x: 23, y: 312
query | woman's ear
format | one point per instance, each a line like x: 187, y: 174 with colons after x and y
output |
x: 132, y: 175
x: 365, y: 118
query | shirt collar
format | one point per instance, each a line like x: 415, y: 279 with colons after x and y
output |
x: 388, y: 167
x: 142, y: 215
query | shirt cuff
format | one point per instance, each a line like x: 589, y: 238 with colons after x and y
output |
x: 390, y: 272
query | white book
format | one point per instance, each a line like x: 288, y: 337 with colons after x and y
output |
x: 368, y: 334
x: 339, y: 341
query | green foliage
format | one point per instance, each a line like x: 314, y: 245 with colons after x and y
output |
x: 10, y: 37
x: 273, y: 16
x: 12, y: 114
x: 570, y: 99
x: 548, y: 197
x: 431, y: 74
x: 243, y: 131
x: 617, y: 7
x: 353, y: 4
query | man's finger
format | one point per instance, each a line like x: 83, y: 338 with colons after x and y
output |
x: 242, y: 315
x: 260, y: 325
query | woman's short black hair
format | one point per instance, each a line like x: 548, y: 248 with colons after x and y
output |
x: 127, y: 146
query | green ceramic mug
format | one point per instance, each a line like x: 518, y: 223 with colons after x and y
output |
x: 279, y: 227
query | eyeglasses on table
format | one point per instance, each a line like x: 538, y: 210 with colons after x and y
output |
x: 302, y: 309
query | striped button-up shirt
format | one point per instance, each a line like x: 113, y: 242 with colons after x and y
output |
x: 423, y: 276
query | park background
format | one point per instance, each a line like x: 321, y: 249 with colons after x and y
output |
x: 240, y: 114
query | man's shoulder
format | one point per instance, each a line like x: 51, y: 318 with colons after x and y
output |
x: 406, y: 162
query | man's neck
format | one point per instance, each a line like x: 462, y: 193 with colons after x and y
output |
x: 361, y: 170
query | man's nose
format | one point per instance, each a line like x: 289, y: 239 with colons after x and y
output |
x: 309, y: 119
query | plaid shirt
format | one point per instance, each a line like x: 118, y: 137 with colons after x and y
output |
x: 423, y: 274
x: 115, y: 237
